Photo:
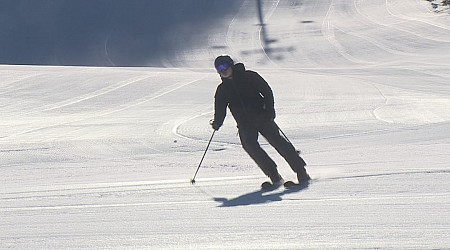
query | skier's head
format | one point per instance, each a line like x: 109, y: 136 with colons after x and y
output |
x: 223, y: 65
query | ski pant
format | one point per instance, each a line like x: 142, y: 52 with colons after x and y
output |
x: 270, y: 131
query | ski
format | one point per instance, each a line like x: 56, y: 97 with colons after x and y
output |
x: 293, y: 185
x: 267, y: 185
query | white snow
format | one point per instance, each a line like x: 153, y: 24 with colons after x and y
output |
x: 94, y: 158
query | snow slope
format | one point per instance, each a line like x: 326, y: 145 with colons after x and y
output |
x: 96, y: 157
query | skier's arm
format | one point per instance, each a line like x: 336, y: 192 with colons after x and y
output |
x: 267, y: 94
x: 220, y: 109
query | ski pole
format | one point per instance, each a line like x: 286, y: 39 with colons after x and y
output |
x: 203, y: 157
x: 284, y: 135
x: 287, y: 139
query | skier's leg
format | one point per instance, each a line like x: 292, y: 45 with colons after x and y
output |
x: 272, y: 134
x: 249, y: 140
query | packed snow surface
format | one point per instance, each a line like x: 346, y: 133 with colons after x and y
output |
x: 101, y: 157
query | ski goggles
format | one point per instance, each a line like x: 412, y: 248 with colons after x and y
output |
x: 222, y: 67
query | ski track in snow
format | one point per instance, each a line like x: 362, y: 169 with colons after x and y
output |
x: 169, y: 186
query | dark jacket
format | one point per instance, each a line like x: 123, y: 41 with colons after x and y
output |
x: 248, y: 96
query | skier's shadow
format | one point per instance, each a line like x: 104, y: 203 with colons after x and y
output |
x: 259, y: 197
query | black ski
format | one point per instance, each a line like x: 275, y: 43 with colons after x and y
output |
x: 267, y: 185
x: 293, y: 185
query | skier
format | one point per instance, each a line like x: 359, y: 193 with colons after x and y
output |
x: 250, y: 100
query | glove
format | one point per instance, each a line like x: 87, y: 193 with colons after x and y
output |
x: 214, y: 125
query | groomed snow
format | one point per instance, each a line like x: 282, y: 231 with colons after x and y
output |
x: 101, y: 158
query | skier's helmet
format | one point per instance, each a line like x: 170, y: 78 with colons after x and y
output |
x: 223, y: 62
